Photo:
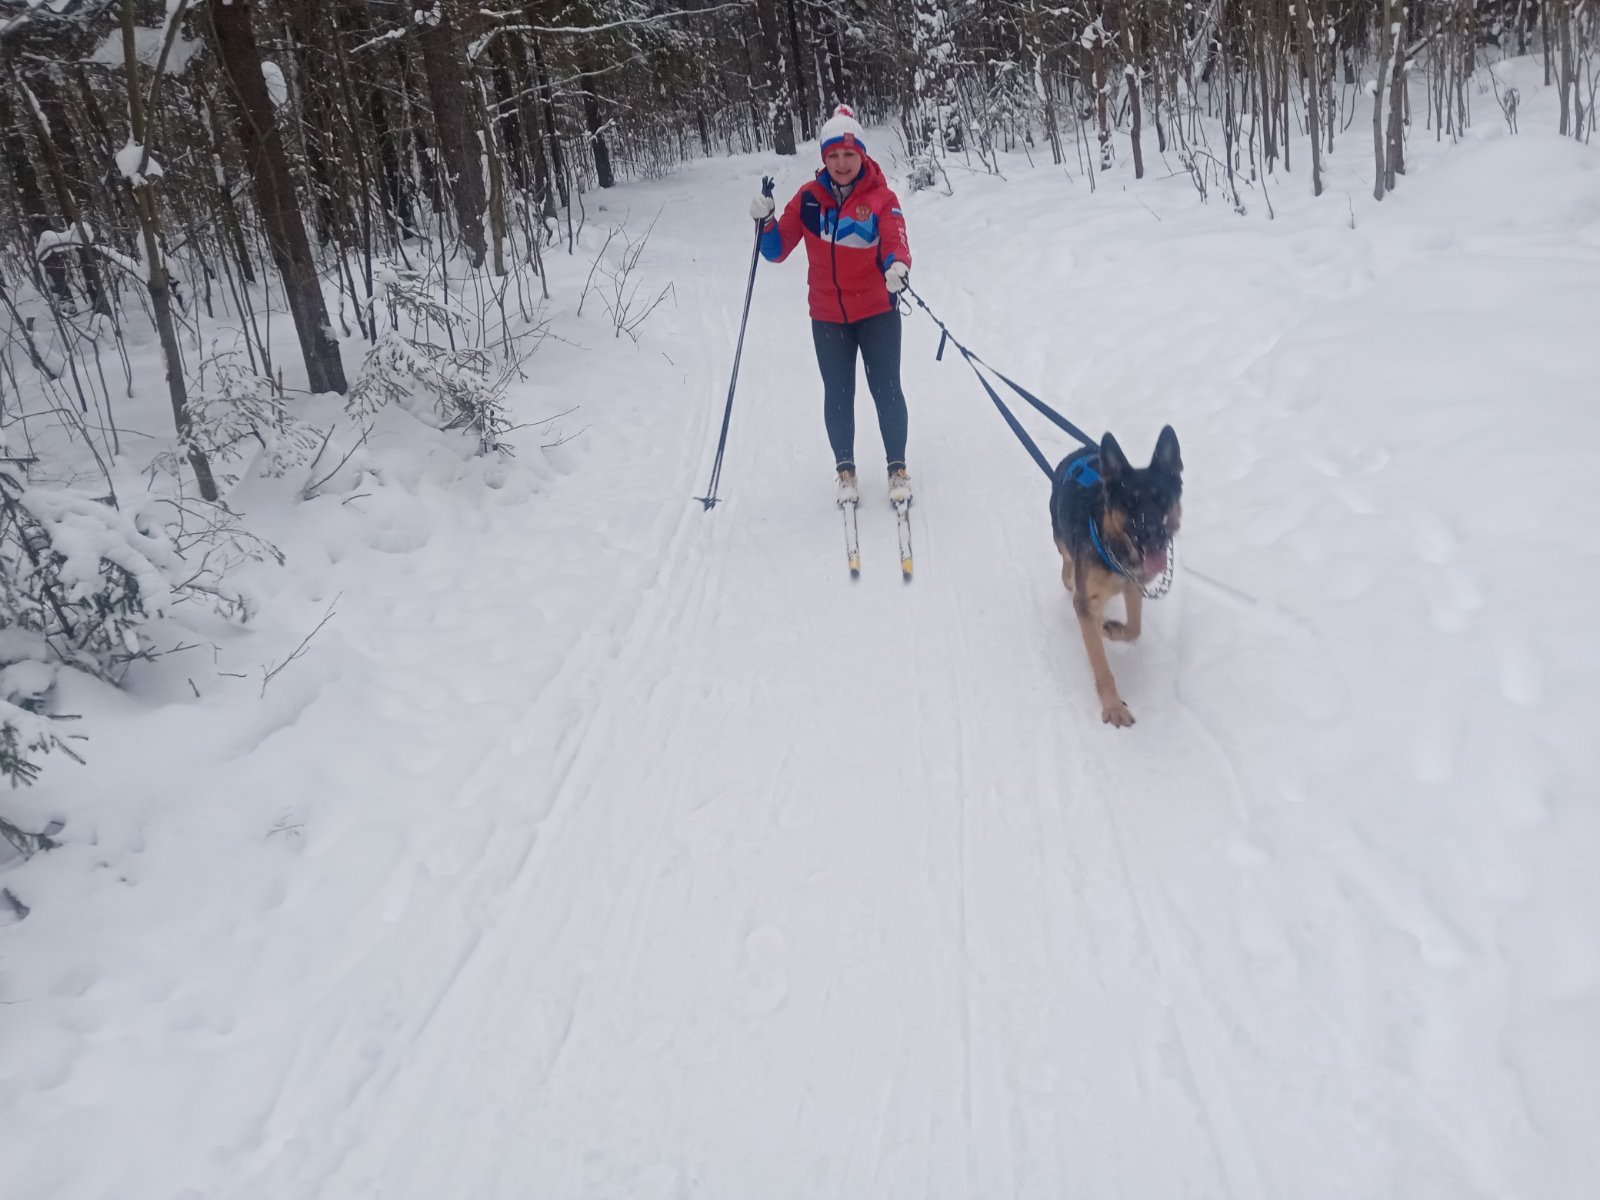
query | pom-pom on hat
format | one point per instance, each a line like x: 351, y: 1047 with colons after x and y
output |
x: 842, y: 129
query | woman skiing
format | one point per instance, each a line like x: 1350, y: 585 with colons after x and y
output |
x: 855, y: 239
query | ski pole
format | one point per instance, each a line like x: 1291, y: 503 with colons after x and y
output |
x: 710, y: 498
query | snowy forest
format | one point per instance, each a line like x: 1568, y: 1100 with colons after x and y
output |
x: 397, y: 175
x: 412, y: 785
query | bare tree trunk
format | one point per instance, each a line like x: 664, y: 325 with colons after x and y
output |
x: 510, y: 126
x: 1052, y: 120
x: 257, y: 128
x: 704, y: 128
x: 444, y: 62
x: 780, y: 118
x: 1135, y: 99
x: 1566, y: 71
x: 1311, y: 74
x: 1264, y: 108
x: 232, y: 228
x: 533, y: 146
x: 1285, y: 137
x: 1396, y: 148
x: 142, y: 183
x: 494, y: 155
x: 802, y: 88
x: 591, y: 117
x: 1230, y: 124
x: 1330, y: 99
x: 1155, y: 105
x: 1544, y: 38
x: 1096, y: 53
x: 1380, y: 182
x: 547, y: 101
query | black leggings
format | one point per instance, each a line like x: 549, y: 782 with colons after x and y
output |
x: 878, y: 339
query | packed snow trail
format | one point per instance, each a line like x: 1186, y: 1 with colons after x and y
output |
x: 844, y: 890
x: 686, y: 867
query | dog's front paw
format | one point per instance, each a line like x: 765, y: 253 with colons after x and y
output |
x: 1117, y: 631
x: 1116, y: 713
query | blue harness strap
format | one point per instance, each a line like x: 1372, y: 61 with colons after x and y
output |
x: 1111, y: 563
x: 1085, y: 473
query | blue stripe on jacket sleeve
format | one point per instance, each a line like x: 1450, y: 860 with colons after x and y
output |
x: 771, y: 242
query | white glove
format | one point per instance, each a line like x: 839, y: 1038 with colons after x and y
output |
x: 895, y: 277
x: 762, y: 207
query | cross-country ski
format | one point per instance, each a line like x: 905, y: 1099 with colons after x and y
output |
x: 852, y: 539
x: 902, y: 523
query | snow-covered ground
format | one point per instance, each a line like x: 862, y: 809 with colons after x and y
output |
x: 600, y: 847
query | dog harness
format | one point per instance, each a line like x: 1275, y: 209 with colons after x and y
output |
x: 1085, y: 472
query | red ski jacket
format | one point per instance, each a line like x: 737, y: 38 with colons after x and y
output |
x: 848, y: 249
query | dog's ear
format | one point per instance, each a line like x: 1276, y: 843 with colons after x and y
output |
x: 1114, y: 465
x: 1166, y: 458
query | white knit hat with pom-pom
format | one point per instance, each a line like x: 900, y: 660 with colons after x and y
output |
x: 842, y: 129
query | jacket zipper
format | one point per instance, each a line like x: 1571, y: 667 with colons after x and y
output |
x: 833, y: 260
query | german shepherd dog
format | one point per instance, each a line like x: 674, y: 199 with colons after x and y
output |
x: 1114, y: 525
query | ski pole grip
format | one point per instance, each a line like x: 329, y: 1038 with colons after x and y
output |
x: 767, y: 184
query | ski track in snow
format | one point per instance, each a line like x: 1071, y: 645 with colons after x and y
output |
x: 764, y: 883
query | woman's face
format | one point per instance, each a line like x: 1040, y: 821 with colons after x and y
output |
x: 843, y: 163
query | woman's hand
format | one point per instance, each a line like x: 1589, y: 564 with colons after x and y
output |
x: 894, y: 278
x: 762, y: 208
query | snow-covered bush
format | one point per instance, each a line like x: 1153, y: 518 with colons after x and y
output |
x: 26, y: 731
x: 234, y: 410
x: 923, y: 171
x: 466, y: 383
x: 81, y: 581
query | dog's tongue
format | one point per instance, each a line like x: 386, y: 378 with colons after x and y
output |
x: 1154, y: 562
